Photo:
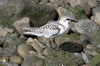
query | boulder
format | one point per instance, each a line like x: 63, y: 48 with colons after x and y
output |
x: 53, y: 57
x: 24, y: 49
x: 90, y: 28
x: 20, y: 24
x: 11, y: 45
x: 39, y: 13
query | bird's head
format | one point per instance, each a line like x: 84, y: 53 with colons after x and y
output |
x: 66, y: 20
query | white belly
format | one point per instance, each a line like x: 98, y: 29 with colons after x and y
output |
x: 62, y: 29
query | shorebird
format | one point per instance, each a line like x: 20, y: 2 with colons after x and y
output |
x: 51, y: 29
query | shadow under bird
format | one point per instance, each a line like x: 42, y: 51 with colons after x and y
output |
x: 51, y: 29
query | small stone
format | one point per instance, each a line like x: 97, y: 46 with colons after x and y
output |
x: 32, y: 60
x: 24, y: 49
x: 96, y: 14
x: 4, y: 31
x: 16, y: 59
x: 35, y: 44
x: 2, y: 40
x: 45, y: 41
x: 20, y: 24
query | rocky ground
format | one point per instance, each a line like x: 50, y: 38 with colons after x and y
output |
x: 79, y: 46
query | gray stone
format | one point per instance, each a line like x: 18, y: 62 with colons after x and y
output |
x: 73, y: 3
x: 39, y: 13
x: 85, y: 4
x: 92, y: 3
x: 24, y: 49
x: 96, y: 15
x: 4, y: 31
x: 32, y: 60
x: 60, y: 3
x: 95, y: 61
x: 76, y: 12
x: 36, y: 45
x: 89, y: 28
x: 59, y: 57
x: 16, y: 59
x: 53, y: 58
x: 11, y: 45
x: 44, y: 1
x: 2, y: 40
x: 2, y: 2
x: 86, y: 27
x: 46, y: 41
x: 20, y: 24
x: 10, y: 11
x: 7, y: 64
x: 1, y: 53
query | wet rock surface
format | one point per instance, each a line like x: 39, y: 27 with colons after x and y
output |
x: 78, y: 46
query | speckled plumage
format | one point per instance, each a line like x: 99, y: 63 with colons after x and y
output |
x: 49, y: 30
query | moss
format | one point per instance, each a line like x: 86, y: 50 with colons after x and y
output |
x: 5, y: 17
x: 95, y: 61
x: 74, y: 36
x: 78, y: 13
x: 59, y: 58
x: 39, y: 14
x: 1, y: 64
x: 96, y: 38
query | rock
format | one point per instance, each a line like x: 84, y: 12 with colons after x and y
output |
x: 95, y: 61
x: 92, y: 3
x: 59, y: 57
x: 32, y: 60
x: 86, y: 57
x: 85, y: 4
x: 2, y: 40
x: 10, y: 11
x: 1, y: 53
x: 76, y: 12
x: 13, y: 10
x: 44, y: 1
x: 24, y: 49
x: 67, y: 38
x: 60, y: 3
x: 71, y: 47
x: 48, y: 42
x: 36, y: 45
x: 7, y: 64
x: 4, y: 31
x: 91, y: 51
x: 53, y: 58
x: 11, y: 45
x: 20, y: 24
x: 35, y: 1
x: 96, y: 15
x: 2, y: 2
x: 85, y: 27
x: 16, y: 59
x: 39, y: 13
x: 89, y: 28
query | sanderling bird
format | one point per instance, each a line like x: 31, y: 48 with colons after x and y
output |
x: 51, y: 29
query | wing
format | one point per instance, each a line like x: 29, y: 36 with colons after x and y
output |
x: 48, y: 29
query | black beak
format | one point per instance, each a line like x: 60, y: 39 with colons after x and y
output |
x: 74, y: 21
